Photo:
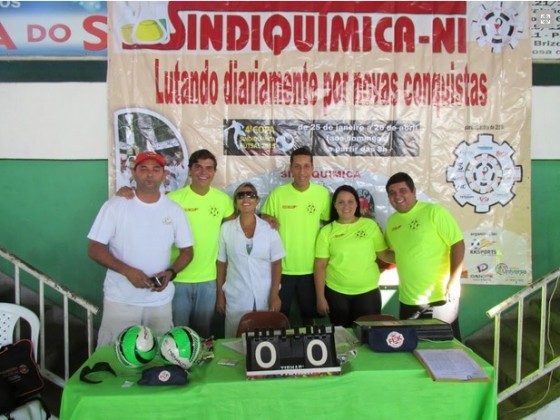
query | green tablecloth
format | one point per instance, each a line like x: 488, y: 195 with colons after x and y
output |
x: 373, y: 385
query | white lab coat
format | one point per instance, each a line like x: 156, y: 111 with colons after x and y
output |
x: 248, y: 275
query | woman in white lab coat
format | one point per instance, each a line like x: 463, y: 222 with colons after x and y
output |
x: 249, y: 262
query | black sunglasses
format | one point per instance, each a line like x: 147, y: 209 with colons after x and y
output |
x: 243, y: 194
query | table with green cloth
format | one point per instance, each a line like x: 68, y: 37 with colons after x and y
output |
x: 371, y: 385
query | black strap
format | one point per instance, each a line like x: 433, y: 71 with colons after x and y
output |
x: 98, y: 367
x: 173, y: 273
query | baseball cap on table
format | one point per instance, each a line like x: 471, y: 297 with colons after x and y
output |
x: 392, y: 339
x: 164, y: 375
x: 144, y: 156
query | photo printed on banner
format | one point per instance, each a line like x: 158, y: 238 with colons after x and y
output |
x: 325, y: 138
x: 264, y: 137
x: 140, y: 130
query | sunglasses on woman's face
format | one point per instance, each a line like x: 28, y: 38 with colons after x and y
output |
x: 243, y: 194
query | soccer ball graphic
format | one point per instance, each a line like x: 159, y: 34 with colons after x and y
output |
x: 475, y: 244
x: 136, y: 346
x: 285, y: 142
x: 181, y: 346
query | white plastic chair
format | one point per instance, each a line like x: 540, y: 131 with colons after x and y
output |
x: 10, y: 314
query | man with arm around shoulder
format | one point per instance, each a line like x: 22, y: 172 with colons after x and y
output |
x: 206, y: 207
x: 429, y: 253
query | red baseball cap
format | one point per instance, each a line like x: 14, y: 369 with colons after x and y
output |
x: 141, y: 157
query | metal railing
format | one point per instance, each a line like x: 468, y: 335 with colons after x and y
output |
x: 547, y: 287
x: 67, y: 296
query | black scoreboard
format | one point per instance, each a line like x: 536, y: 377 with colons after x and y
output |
x: 304, y: 351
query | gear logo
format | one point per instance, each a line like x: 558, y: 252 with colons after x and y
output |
x: 484, y: 173
x: 498, y: 27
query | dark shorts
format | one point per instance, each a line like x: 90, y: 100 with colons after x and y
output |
x: 301, y: 288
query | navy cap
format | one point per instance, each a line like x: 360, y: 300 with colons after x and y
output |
x: 164, y: 375
x: 392, y: 339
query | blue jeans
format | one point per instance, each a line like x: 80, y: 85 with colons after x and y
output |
x: 193, y: 306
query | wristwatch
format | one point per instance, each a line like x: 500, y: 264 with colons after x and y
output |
x: 173, y: 273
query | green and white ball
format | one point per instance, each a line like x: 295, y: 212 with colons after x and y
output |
x: 136, y: 346
x: 181, y: 346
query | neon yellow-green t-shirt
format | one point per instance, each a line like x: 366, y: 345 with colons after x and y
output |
x: 299, y: 214
x: 205, y: 214
x: 351, y: 250
x: 422, y: 240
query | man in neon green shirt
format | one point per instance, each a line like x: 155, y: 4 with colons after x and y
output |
x: 206, y: 208
x: 429, y: 252
x: 298, y: 208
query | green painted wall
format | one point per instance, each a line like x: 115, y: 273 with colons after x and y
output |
x: 47, y: 208
x: 545, y: 189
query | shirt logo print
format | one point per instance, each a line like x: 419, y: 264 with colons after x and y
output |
x: 214, y: 211
x: 414, y: 224
x: 311, y: 208
x: 361, y: 234
x: 167, y: 220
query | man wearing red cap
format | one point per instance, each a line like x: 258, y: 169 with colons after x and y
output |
x: 133, y: 240
x: 206, y: 207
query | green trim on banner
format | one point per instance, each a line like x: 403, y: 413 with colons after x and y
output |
x: 18, y: 71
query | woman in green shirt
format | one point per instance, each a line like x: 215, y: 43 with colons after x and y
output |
x: 346, y: 274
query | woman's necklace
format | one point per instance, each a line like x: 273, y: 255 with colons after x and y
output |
x: 249, y: 245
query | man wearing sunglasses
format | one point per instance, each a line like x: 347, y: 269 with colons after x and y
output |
x: 297, y: 209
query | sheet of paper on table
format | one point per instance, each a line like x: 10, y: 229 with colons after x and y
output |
x: 451, y: 365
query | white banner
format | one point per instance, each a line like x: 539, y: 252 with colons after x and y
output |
x: 441, y: 90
